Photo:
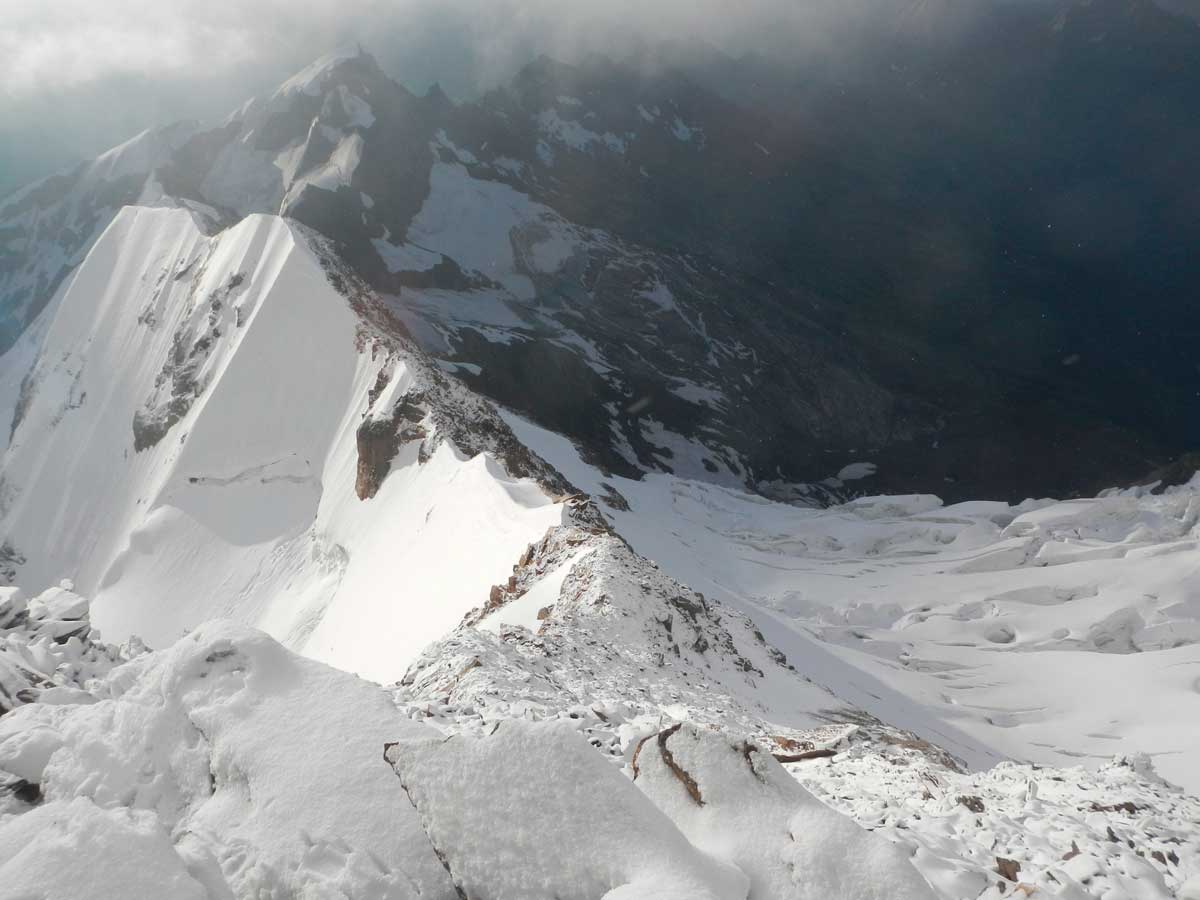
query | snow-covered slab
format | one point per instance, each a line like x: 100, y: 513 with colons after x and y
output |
x: 734, y: 801
x: 585, y: 831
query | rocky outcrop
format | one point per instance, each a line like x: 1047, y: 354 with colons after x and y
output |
x: 380, y: 439
x: 182, y: 379
x: 586, y: 627
x: 453, y: 411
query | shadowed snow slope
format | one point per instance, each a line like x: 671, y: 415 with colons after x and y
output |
x: 190, y: 430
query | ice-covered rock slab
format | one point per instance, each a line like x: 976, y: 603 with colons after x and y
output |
x: 531, y: 812
x: 735, y: 802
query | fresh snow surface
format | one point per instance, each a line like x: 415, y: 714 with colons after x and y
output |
x: 737, y: 803
x: 49, y: 650
x: 595, y: 834
x: 1116, y: 830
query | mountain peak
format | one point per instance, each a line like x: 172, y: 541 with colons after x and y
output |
x: 313, y: 77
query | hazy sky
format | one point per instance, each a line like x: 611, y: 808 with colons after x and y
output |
x: 81, y: 75
x: 78, y: 76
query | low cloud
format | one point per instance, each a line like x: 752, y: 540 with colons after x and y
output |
x: 81, y: 75
x: 69, y: 43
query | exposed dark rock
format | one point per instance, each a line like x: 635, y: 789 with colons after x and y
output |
x: 380, y: 439
x: 974, y: 804
x: 1007, y: 868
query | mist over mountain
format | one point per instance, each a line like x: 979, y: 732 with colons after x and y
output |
x: 111, y: 70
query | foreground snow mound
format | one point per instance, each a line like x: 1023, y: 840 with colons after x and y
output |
x: 531, y: 812
x: 67, y: 850
x: 734, y: 801
x: 227, y: 767
x: 256, y: 770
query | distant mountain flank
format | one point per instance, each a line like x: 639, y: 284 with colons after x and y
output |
x: 744, y: 271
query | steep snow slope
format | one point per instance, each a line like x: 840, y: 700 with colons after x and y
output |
x: 190, y: 429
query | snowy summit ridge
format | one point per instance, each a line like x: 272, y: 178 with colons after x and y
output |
x: 338, y: 625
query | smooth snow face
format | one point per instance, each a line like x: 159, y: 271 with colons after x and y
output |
x: 1052, y: 632
x: 186, y: 449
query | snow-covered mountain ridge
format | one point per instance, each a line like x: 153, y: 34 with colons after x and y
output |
x: 158, y: 442
x: 640, y: 264
x: 170, y: 456
x: 227, y: 437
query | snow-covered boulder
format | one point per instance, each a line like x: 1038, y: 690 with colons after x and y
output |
x: 735, y: 802
x: 71, y: 849
x: 531, y: 812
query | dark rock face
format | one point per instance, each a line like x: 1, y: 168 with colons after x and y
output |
x: 380, y: 439
x: 960, y: 261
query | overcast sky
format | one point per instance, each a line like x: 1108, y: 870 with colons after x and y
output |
x: 78, y: 76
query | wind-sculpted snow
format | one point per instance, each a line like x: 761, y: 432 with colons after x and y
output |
x: 733, y: 800
x: 227, y: 767
x: 49, y: 650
